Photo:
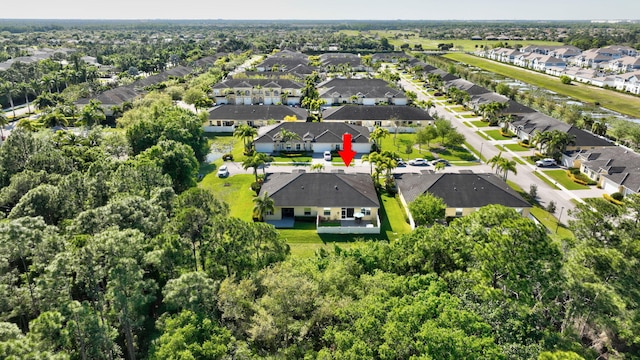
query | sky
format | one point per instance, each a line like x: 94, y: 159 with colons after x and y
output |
x: 327, y: 9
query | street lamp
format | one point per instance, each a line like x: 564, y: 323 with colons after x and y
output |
x: 559, y: 217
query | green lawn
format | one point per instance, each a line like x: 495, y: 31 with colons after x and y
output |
x: 551, y: 223
x: 495, y: 134
x: 482, y: 135
x: 623, y: 103
x: 456, y: 108
x: 480, y: 123
x: 290, y: 159
x: 396, y: 38
x: 553, y: 186
x: 403, y: 145
x: 304, y: 241
x: 234, y: 190
x: 516, y: 147
x: 469, y: 116
x: 454, y: 153
x: 519, y: 161
x: 561, y: 177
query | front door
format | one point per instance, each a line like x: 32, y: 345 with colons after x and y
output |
x: 347, y: 213
x: 287, y: 212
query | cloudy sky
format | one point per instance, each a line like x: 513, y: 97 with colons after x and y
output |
x: 326, y: 9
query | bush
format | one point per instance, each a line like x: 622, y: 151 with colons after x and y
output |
x: 565, y: 79
x: 551, y: 207
x: 611, y: 199
x: 256, y: 186
x: 617, y: 196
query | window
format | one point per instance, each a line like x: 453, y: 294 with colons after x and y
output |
x: 366, y: 211
x: 377, y: 123
x: 288, y: 146
x: 337, y: 146
x: 327, y: 212
x: 269, y: 212
x: 307, y: 211
x: 297, y: 146
x: 458, y: 211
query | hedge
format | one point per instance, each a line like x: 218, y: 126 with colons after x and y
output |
x: 612, y: 200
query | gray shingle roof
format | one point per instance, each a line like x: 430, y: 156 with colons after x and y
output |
x: 318, y: 131
x: 358, y: 112
x: 255, y: 112
x: 371, y: 88
x: 461, y: 190
x: 321, y: 190
x: 264, y: 83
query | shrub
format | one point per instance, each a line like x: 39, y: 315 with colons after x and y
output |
x: 565, y: 79
x: 256, y: 186
x: 611, y: 199
x: 617, y: 196
x: 525, y: 141
x: 551, y: 207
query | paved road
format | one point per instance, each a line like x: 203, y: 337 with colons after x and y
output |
x: 525, y: 173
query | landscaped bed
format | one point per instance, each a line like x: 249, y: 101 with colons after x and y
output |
x: 561, y: 177
x: 496, y: 135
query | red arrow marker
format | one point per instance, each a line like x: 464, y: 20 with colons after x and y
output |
x: 346, y: 154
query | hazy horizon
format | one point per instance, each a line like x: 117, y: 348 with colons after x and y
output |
x: 462, y: 10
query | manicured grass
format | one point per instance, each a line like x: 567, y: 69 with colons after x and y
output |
x: 561, y: 177
x: 404, y: 142
x: 551, y: 223
x: 516, y: 147
x: 519, y: 161
x: 432, y: 44
x: 469, y: 116
x: 456, y: 108
x: 480, y: 123
x: 454, y: 153
x: 623, y: 103
x: 234, y: 190
x: 475, y: 152
x: 304, y: 241
x: 290, y: 159
x: 482, y: 135
x: 553, y: 186
x: 495, y: 134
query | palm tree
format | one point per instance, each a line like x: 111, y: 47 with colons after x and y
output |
x: 261, y: 159
x: 3, y: 122
x: 440, y: 166
x: 92, y: 113
x: 507, y: 165
x: 541, y: 140
x: 247, y: 134
x: 263, y: 205
x: 29, y: 125
x: 495, y: 162
x: 317, y: 167
x: 9, y: 89
x: 377, y: 135
x: 599, y: 128
x: 250, y: 162
x: 286, y: 136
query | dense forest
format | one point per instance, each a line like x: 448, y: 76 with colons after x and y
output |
x: 109, y: 250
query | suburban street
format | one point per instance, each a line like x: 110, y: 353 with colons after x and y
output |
x: 525, y: 176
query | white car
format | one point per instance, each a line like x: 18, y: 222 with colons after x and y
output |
x: 418, y: 162
x: 545, y: 162
x: 327, y: 155
x: 223, y: 171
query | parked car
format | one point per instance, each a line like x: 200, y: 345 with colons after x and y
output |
x: 418, y: 162
x: 400, y: 162
x: 223, y: 171
x: 545, y: 162
x: 437, y: 161
x: 327, y: 155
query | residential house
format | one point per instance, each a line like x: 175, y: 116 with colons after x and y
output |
x: 283, y: 61
x: 341, y: 61
x: 258, y: 91
x: 316, y: 137
x: 616, y: 169
x: 463, y: 193
x: 628, y: 82
x: 525, y: 126
x: 545, y: 62
x: 337, y: 202
x: 624, y: 64
x: 225, y: 118
x: 360, y: 91
x: 387, y: 116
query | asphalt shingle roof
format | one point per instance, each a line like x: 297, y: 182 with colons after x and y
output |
x: 461, y: 190
x: 318, y: 130
x: 371, y: 88
x: 358, y: 112
x: 256, y: 112
x: 321, y: 190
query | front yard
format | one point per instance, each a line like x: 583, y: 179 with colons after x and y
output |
x: 560, y: 176
x: 496, y: 135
